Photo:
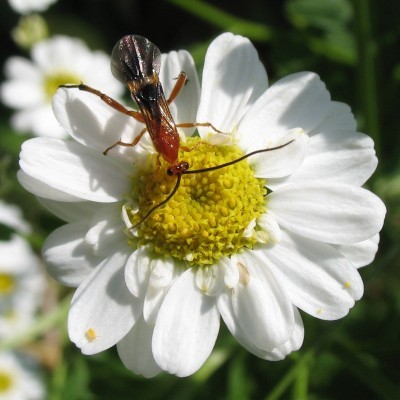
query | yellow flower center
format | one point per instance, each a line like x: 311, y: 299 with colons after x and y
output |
x: 6, y: 382
x: 206, y: 218
x: 53, y: 81
x: 7, y: 284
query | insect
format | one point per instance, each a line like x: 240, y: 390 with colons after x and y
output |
x: 135, y: 61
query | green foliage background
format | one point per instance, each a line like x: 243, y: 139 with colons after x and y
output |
x: 354, y: 47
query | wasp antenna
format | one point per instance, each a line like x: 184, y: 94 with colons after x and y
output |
x: 165, y: 201
x: 196, y: 171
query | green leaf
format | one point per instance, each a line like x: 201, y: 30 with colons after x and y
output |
x: 224, y: 20
x: 338, y: 46
x: 326, y: 15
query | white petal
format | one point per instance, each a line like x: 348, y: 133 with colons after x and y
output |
x: 18, y: 67
x: 339, y: 214
x: 15, y: 258
x: 297, y: 101
x: 21, y: 94
x: 269, y: 231
x: 283, y: 161
x: 11, y: 216
x: 41, y: 189
x: 186, y: 328
x: 250, y: 229
x: 318, y: 279
x: 56, y: 54
x: 137, y: 272
x: 163, y: 274
x: 262, y: 308
x: 107, y: 230
x: 152, y: 304
x: 360, y: 254
x: 103, y: 310
x: 336, y: 139
x: 71, y: 168
x: 75, y: 211
x: 135, y: 352
x: 39, y: 120
x: 339, y: 156
x: 184, y: 107
x: 231, y: 272
x: 233, y: 78
x: 210, y: 280
x: 92, y: 122
x: 67, y: 255
x: 339, y: 118
x: 280, y: 352
x: 293, y: 344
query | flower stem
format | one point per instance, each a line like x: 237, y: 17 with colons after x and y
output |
x: 367, y: 54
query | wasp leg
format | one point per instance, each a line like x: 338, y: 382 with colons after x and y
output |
x: 193, y: 124
x: 108, y: 100
x: 180, y: 83
x: 117, y: 106
x: 185, y: 148
x: 119, y: 143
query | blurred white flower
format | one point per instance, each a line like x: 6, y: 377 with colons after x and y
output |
x: 22, y: 281
x: 30, y: 85
x: 11, y: 216
x: 223, y: 246
x: 19, y: 378
x: 27, y: 6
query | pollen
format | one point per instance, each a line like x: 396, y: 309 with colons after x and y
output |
x: 91, y: 334
x: 206, y: 218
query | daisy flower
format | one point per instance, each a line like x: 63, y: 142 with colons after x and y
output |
x: 27, y: 6
x: 252, y: 243
x: 30, y: 85
x: 19, y: 378
x: 22, y: 281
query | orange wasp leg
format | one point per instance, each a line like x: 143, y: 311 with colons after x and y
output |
x: 120, y: 143
x: 193, y: 124
x: 189, y: 149
x: 108, y: 100
x: 180, y: 83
